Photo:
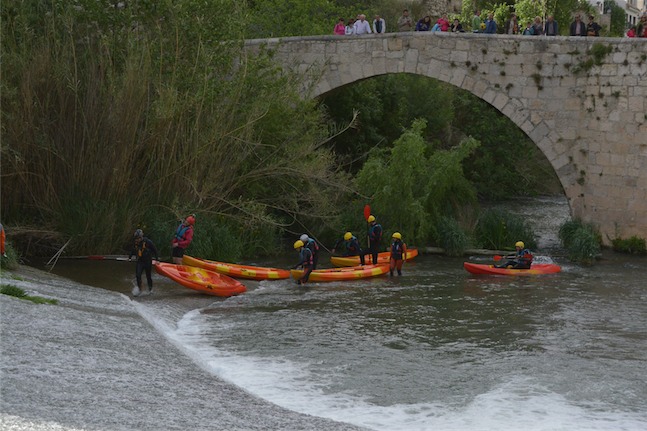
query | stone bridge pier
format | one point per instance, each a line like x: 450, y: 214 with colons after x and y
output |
x: 582, y: 101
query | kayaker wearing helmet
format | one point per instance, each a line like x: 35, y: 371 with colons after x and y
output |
x: 312, y: 245
x: 521, y: 260
x: 145, y: 251
x: 398, y: 253
x: 374, y: 238
x: 305, y: 261
x: 182, y: 239
x: 351, y: 245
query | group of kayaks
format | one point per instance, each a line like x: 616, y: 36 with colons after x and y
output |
x: 221, y: 278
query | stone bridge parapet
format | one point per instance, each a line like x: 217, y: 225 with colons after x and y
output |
x: 582, y: 101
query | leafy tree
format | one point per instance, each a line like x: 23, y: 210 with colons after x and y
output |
x: 618, y: 19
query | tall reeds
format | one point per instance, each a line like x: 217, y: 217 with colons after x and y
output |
x: 112, y: 122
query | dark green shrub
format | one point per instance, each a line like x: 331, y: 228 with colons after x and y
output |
x: 451, y: 237
x: 499, y: 230
x: 10, y: 290
x: 633, y: 245
x: 11, y: 261
x: 581, y: 240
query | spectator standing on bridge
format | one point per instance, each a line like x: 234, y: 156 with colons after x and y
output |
x: 551, y: 28
x: 350, y: 27
x: 578, y: 28
x: 511, y: 25
x: 593, y: 28
x: 340, y: 27
x: 424, y: 24
x: 457, y: 27
x: 405, y: 22
x: 379, y: 26
x: 490, y: 25
x: 476, y: 22
x: 538, y: 26
x: 362, y: 26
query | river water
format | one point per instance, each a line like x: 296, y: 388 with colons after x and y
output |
x: 437, y: 348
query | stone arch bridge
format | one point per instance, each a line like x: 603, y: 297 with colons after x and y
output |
x: 582, y: 101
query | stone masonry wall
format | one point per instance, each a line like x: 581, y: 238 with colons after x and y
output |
x: 583, y: 101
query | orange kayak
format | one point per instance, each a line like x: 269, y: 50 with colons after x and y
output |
x: 382, y: 258
x: 237, y: 271
x: 535, y: 269
x: 203, y: 280
x: 347, y: 273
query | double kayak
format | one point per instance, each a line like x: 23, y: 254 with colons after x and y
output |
x: 237, y: 271
x: 382, y: 258
x: 535, y: 269
x: 339, y: 274
x: 200, y: 279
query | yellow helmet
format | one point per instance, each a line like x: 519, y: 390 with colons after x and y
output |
x: 371, y: 218
x: 298, y: 244
x: 519, y: 244
x: 348, y: 236
x: 396, y: 235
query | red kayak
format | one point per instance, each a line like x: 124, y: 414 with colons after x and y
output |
x: 203, y: 280
x: 535, y: 269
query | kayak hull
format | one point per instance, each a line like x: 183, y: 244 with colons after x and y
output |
x: 200, y: 279
x: 343, y: 274
x: 237, y: 271
x: 535, y: 269
x: 382, y: 258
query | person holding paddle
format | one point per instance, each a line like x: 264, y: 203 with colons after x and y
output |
x: 374, y: 238
x: 521, y: 260
x: 145, y: 250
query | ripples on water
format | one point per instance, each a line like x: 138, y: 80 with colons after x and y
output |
x: 435, y: 349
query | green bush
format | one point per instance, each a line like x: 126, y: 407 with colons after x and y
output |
x: 499, y: 230
x: 451, y: 237
x: 11, y: 261
x: 581, y: 240
x: 10, y: 290
x: 633, y: 245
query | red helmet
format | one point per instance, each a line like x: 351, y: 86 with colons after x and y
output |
x: 190, y: 220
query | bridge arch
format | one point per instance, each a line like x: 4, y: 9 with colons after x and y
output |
x: 582, y: 101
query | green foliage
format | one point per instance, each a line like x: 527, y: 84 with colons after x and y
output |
x: 633, y: 245
x: 11, y: 261
x: 581, y: 240
x: 618, y: 19
x: 11, y: 290
x: 451, y: 237
x: 114, y: 114
x: 412, y: 186
x: 499, y: 230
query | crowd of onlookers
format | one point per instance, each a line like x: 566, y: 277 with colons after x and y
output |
x: 536, y: 27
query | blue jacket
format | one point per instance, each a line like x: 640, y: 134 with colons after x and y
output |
x: 490, y: 26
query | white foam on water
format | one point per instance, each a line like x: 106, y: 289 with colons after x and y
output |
x: 520, y: 403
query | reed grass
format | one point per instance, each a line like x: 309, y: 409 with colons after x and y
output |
x: 581, y: 240
x: 140, y: 121
x: 499, y: 230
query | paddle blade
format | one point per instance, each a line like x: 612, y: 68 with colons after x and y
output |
x: 367, y: 211
x: 497, y: 257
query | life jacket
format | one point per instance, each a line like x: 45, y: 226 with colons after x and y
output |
x: 352, y: 245
x: 181, y: 231
x: 525, y: 256
x: 307, y: 258
x: 376, y: 233
x: 141, y: 247
x: 397, y: 249
x: 312, y: 246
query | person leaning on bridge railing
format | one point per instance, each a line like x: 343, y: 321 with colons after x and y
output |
x: 578, y: 28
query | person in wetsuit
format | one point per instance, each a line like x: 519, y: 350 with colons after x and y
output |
x: 182, y: 238
x: 522, y: 259
x: 314, y: 248
x: 398, y: 253
x: 374, y: 238
x: 146, y: 253
x: 305, y: 261
x: 351, y: 247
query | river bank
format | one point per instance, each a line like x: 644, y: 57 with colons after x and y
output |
x: 93, y: 362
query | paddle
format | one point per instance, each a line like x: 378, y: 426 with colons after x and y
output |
x: 367, y: 214
x: 497, y: 258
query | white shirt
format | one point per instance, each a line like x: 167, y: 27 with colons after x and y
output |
x: 350, y: 29
x: 362, y: 27
x: 383, y: 26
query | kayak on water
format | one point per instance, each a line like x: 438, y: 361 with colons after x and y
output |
x: 237, y: 271
x: 538, y: 268
x: 200, y: 279
x: 346, y: 273
x: 382, y: 258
